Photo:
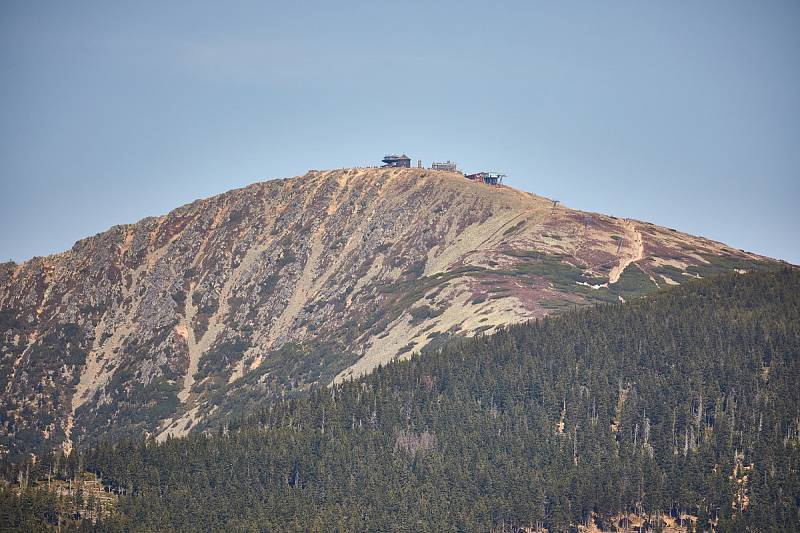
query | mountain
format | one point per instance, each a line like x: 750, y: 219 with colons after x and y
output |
x: 178, y: 323
x: 675, y: 412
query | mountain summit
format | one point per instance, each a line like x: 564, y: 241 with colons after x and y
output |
x: 179, y: 322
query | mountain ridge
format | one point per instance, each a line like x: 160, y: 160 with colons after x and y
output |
x: 174, y: 322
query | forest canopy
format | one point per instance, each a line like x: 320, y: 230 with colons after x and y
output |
x: 684, y: 402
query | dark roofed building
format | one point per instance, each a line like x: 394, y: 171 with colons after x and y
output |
x: 394, y: 160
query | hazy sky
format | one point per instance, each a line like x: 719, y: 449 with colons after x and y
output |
x: 686, y: 114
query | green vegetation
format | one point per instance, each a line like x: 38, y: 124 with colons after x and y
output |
x: 423, y: 312
x: 554, y: 268
x: 516, y: 227
x: 661, y: 405
x: 403, y: 294
x: 631, y: 284
x: 286, y: 258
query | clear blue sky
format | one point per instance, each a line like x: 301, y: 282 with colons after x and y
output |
x: 683, y: 113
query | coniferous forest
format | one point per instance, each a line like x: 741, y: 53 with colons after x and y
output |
x: 684, y: 403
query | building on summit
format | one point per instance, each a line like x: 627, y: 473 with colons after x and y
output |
x: 450, y: 166
x: 403, y: 161
x: 394, y: 160
x: 489, y: 178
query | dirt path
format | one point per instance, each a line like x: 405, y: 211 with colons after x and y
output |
x: 629, y: 255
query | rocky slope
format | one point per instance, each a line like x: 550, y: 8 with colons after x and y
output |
x: 179, y: 322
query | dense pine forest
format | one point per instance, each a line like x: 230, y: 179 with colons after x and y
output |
x: 683, y: 403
